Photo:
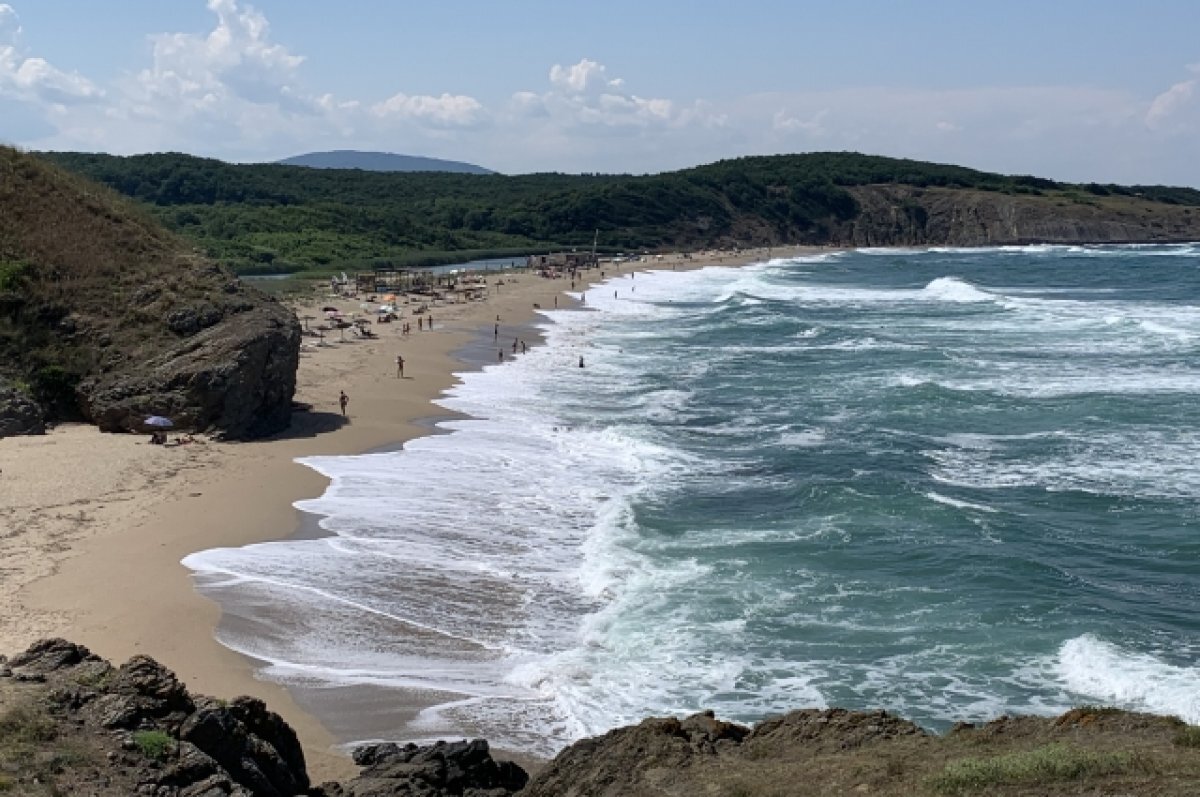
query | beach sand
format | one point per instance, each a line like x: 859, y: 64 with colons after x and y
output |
x: 93, y: 526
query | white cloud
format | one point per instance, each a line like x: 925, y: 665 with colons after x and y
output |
x: 10, y: 24
x: 234, y: 62
x: 232, y: 91
x: 582, y: 77
x: 1177, y: 109
x: 33, y: 79
x: 583, y: 96
x: 447, y: 110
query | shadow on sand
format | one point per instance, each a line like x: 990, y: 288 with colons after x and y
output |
x: 307, y: 422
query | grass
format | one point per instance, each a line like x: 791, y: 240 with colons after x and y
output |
x: 22, y: 726
x: 1188, y: 736
x: 1052, y: 762
x: 154, y: 744
x: 30, y: 745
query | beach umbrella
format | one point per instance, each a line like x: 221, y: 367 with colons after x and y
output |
x: 159, y: 422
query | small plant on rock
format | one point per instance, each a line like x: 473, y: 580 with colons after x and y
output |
x: 154, y: 744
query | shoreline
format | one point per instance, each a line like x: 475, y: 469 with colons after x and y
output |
x: 102, y: 521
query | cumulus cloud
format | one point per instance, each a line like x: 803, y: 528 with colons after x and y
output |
x: 231, y: 90
x: 236, y: 61
x: 33, y: 79
x: 449, y: 110
x: 580, y: 78
x: 583, y: 95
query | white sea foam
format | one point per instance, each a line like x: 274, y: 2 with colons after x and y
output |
x: 1102, y: 671
x: 958, y: 503
x: 505, y: 562
x: 952, y: 289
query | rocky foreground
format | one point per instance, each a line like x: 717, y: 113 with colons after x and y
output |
x: 71, y: 723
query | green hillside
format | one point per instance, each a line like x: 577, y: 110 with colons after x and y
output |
x: 270, y: 217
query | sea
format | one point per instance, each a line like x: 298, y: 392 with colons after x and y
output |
x: 949, y: 483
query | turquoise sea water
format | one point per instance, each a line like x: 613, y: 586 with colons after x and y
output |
x: 948, y: 483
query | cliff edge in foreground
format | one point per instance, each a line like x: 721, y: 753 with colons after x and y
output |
x: 108, y: 318
x: 72, y: 723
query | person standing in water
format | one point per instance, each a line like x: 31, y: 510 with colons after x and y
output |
x: 581, y: 361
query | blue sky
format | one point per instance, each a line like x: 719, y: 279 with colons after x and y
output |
x: 1074, y: 90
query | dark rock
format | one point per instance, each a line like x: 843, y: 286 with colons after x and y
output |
x: 236, y: 377
x: 19, y: 413
x: 444, y: 768
x: 270, y: 728
x: 142, y: 690
x: 250, y: 760
x: 51, y: 655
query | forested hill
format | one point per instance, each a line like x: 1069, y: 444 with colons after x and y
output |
x: 270, y: 217
x: 380, y: 162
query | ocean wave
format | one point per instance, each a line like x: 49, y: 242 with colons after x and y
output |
x: 1102, y: 671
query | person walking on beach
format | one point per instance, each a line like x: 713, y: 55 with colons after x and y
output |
x: 399, y: 366
x: 343, y: 402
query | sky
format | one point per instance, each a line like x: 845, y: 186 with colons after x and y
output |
x: 1075, y: 90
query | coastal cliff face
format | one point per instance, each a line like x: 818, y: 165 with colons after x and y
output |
x: 71, y: 722
x: 900, y: 215
x: 106, y: 317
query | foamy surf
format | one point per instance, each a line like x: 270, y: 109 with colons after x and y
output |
x: 868, y: 481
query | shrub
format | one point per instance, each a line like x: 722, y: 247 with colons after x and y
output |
x: 154, y: 744
x: 1188, y: 736
x: 12, y: 273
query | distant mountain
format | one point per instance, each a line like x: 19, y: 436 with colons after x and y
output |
x: 380, y: 162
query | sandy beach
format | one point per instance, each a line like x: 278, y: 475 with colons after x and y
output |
x: 93, y: 526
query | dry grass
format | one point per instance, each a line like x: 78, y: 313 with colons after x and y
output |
x: 1041, y: 765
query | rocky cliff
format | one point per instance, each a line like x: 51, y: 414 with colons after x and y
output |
x: 71, y: 723
x: 108, y: 318
x: 901, y: 215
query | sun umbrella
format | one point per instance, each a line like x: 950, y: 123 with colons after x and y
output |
x: 159, y: 422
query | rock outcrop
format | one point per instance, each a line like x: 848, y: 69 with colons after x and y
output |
x: 109, y: 318
x: 19, y: 413
x: 70, y: 722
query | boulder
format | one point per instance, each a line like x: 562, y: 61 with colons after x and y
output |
x: 19, y: 413
x: 235, y: 376
x: 444, y: 769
